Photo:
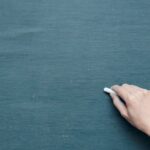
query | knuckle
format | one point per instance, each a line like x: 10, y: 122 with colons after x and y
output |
x: 114, y: 102
x: 121, y: 89
x: 132, y: 100
x: 131, y: 96
x: 125, y: 84
x: 141, y: 93
x: 124, y: 114
x: 145, y: 92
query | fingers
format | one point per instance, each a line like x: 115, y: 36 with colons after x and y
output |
x: 119, y: 105
x: 129, y: 88
x: 122, y: 92
x: 136, y: 107
x: 129, y: 93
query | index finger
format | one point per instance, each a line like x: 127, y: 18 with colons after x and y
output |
x: 121, y: 92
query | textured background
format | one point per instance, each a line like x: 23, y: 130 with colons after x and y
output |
x: 55, y: 58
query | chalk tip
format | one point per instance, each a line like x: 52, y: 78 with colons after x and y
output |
x: 109, y: 90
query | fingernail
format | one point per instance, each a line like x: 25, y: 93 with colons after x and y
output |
x: 112, y: 95
x: 114, y: 86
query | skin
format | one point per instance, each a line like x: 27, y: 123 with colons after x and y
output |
x: 136, y: 109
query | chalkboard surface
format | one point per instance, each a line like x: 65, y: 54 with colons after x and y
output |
x: 56, y: 56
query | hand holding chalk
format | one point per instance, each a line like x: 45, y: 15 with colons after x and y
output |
x: 110, y: 91
x: 133, y: 103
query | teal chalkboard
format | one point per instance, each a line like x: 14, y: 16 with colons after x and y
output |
x: 55, y: 59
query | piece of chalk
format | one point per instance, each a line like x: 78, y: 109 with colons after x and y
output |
x: 110, y: 91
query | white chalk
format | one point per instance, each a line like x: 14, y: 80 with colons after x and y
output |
x: 110, y: 91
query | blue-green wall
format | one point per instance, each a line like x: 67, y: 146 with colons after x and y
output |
x: 55, y: 58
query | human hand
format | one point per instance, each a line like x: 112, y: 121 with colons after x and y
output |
x: 136, y: 109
